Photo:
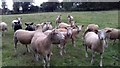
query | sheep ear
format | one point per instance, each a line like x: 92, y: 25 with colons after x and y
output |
x: 50, y: 22
x: 32, y: 23
x: 108, y: 31
x: 82, y: 25
x: 65, y: 27
x: 26, y: 24
x: 15, y: 22
x: 96, y: 31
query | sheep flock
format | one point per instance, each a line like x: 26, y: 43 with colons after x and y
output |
x: 39, y: 39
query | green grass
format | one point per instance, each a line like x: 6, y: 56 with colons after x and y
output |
x: 74, y: 56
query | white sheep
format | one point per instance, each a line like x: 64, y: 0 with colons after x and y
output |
x: 45, y: 26
x: 75, y: 33
x: 63, y: 25
x: 96, y: 42
x: 24, y: 37
x: 114, y: 34
x: 41, y: 45
x: 3, y: 27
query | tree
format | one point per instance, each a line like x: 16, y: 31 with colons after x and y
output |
x: 26, y: 7
x: 50, y: 6
x: 16, y: 6
x: 4, y: 8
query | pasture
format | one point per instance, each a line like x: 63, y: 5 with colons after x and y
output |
x: 73, y: 56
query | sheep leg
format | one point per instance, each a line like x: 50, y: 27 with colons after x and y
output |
x: 86, y: 53
x: 15, y: 44
x: 73, y: 42
x: 46, y: 61
x: 93, y: 56
x: 61, y: 50
x: 28, y: 50
x: 36, y: 57
x: 62, y: 45
x: 113, y: 42
x: 101, y: 57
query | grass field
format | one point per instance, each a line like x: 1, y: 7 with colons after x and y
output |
x: 74, y: 56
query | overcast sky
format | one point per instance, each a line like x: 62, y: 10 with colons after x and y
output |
x: 10, y: 3
x: 38, y: 2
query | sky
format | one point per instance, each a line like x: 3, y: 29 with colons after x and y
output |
x: 10, y: 3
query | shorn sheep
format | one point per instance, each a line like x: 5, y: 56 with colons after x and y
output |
x: 3, y: 27
x: 41, y: 45
x: 45, y: 26
x: 67, y: 33
x: 17, y: 20
x: 24, y: 37
x: 63, y: 25
x: 75, y: 33
x: 96, y: 42
x: 114, y: 34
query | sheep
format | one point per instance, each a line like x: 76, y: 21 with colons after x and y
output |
x: 17, y: 26
x: 24, y: 37
x: 17, y: 20
x: 45, y: 26
x: 63, y: 25
x: 3, y: 27
x: 41, y: 45
x: 75, y: 32
x: 30, y: 26
x: 67, y: 32
x: 70, y: 18
x: 58, y: 19
x: 96, y: 42
x: 114, y: 34
x: 91, y: 27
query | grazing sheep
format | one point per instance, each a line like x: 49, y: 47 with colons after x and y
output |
x: 96, y: 42
x: 58, y: 19
x: 70, y: 18
x: 3, y: 27
x: 30, y: 27
x: 41, y: 45
x: 75, y: 32
x: 114, y: 34
x: 17, y: 20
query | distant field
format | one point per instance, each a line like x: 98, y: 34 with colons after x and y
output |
x: 74, y: 56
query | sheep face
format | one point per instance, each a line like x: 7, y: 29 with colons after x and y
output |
x: 56, y: 35
x: 17, y: 26
x: 47, y: 26
x: 69, y: 31
x: 29, y: 26
x: 102, y: 34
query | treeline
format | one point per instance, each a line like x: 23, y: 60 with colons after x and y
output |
x: 27, y: 7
